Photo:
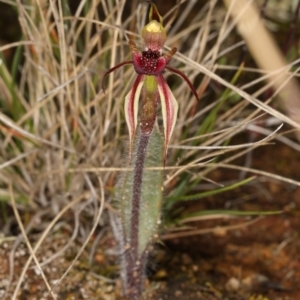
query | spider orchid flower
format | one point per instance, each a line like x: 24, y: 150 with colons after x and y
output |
x: 150, y: 83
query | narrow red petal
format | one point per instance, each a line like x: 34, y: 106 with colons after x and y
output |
x: 113, y: 69
x: 169, y: 110
x: 131, y: 108
x: 179, y: 73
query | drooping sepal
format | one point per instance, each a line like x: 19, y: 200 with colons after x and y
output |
x: 169, y: 107
x: 131, y: 108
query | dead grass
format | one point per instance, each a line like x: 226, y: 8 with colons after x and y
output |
x: 62, y: 138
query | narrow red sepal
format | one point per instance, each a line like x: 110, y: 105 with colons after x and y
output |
x: 169, y: 107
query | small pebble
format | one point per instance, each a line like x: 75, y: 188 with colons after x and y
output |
x: 233, y: 284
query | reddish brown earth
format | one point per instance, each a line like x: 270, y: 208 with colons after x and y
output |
x: 260, y: 261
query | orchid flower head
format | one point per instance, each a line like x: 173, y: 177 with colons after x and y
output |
x: 150, y: 84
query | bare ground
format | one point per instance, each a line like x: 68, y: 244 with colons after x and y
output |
x: 260, y: 261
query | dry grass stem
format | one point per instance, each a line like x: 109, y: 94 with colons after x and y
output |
x: 266, y: 53
x: 59, y: 132
x: 17, y: 215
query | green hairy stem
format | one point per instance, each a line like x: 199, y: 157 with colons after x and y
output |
x: 140, y: 207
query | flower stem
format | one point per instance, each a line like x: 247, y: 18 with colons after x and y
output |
x: 135, y: 262
x: 140, y: 208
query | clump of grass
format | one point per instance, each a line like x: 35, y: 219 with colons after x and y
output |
x: 62, y: 138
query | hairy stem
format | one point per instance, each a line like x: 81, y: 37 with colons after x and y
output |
x: 135, y: 264
x: 140, y: 195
